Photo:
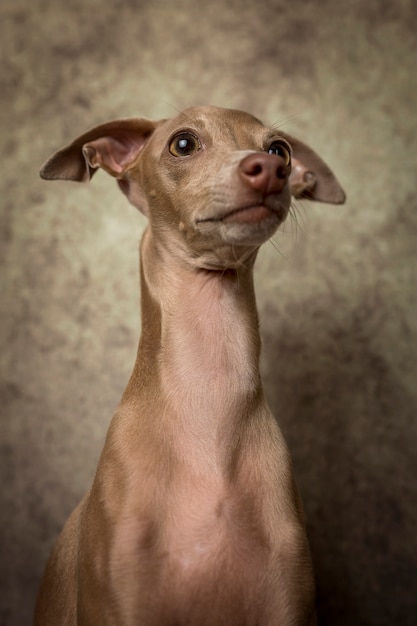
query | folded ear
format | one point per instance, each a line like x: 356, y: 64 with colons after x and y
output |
x: 112, y: 146
x: 310, y: 177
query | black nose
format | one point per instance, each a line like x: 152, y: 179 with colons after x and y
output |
x: 266, y: 173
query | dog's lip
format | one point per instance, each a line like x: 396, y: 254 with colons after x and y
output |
x: 248, y: 214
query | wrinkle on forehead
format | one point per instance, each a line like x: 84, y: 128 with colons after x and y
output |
x: 229, y: 125
x: 232, y: 116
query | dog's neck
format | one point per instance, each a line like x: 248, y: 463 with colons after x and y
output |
x: 199, y: 350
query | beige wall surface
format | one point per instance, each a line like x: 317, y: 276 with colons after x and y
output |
x: 336, y: 291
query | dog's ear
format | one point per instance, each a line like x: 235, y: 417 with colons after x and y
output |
x: 310, y: 177
x: 112, y: 146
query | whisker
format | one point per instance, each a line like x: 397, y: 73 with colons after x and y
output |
x: 284, y: 120
x: 297, y: 218
x: 180, y: 111
x: 172, y: 106
x: 274, y: 244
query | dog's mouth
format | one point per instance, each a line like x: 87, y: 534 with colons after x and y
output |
x: 251, y: 214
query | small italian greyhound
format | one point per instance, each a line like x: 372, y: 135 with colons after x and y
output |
x: 193, y: 517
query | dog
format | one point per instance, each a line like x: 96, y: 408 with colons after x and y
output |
x: 193, y: 517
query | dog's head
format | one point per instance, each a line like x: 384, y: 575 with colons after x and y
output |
x: 214, y: 183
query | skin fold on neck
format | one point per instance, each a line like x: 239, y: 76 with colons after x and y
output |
x: 200, y: 342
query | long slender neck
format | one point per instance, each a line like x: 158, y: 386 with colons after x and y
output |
x: 199, y: 349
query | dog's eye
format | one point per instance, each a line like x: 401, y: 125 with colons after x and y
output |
x: 184, y: 144
x: 280, y: 149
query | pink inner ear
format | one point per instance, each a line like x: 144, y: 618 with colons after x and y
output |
x: 113, y: 154
x: 302, y: 180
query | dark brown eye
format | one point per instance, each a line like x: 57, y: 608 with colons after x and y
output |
x: 280, y: 149
x: 184, y: 144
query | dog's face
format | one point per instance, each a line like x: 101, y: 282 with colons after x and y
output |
x: 214, y: 183
x: 196, y: 192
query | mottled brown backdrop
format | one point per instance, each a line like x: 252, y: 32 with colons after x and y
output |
x: 337, y: 292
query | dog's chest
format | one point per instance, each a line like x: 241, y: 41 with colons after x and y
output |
x: 215, y: 559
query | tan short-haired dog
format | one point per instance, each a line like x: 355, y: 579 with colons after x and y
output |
x: 193, y: 518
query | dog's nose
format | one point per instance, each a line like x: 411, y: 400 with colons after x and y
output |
x: 266, y: 173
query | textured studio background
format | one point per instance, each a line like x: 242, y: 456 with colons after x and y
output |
x: 337, y: 293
